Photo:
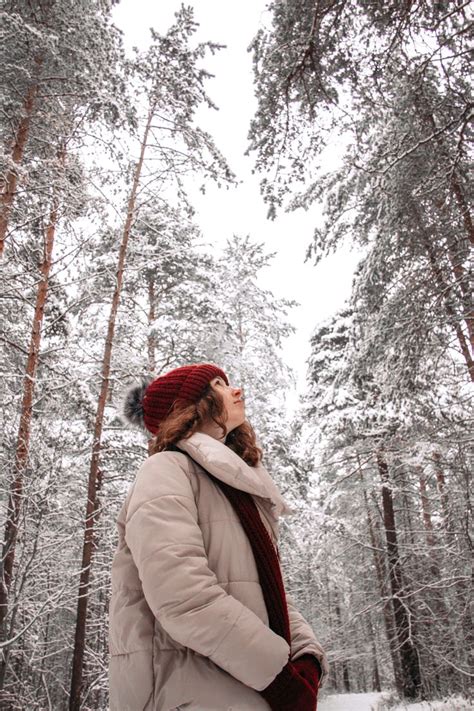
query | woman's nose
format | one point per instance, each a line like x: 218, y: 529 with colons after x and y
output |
x: 237, y: 392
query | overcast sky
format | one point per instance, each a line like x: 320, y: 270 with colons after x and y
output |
x: 220, y: 213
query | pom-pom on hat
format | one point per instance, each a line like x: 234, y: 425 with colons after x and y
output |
x: 149, y: 403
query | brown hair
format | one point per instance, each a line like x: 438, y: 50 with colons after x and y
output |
x: 185, y: 418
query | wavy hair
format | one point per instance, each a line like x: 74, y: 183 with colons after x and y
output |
x: 185, y: 419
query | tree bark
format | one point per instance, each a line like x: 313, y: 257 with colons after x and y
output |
x: 380, y: 569
x: 454, y: 184
x: 444, y: 499
x: 344, y: 665
x: 95, y: 474
x: 462, y: 278
x: 376, y: 682
x: 403, y: 623
x: 151, y: 344
x: 151, y: 317
x: 445, y: 290
x: 426, y: 115
x: 24, y: 432
x: 426, y: 511
x: 18, y: 149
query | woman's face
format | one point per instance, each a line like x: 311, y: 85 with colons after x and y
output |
x: 233, y: 403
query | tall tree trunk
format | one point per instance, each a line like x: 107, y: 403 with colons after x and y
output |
x: 454, y: 183
x: 24, y: 432
x: 426, y: 513
x: 408, y: 652
x: 151, y: 345
x: 461, y: 643
x: 344, y: 665
x: 17, y: 151
x: 446, y: 291
x: 380, y: 569
x: 462, y: 278
x: 95, y: 475
x: 455, y: 187
x: 444, y: 499
x: 151, y: 341
x: 376, y: 682
x: 436, y: 613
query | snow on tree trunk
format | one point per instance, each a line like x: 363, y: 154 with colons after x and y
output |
x: 426, y: 509
x: 402, y: 616
x: 444, y: 499
x: 376, y: 683
x: 445, y: 291
x: 94, y: 482
x: 380, y: 569
x: 454, y: 181
x: 151, y: 340
x: 23, y: 441
x: 11, y: 179
x: 346, y: 682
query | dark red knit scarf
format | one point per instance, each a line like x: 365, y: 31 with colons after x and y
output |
x: 266, y: 558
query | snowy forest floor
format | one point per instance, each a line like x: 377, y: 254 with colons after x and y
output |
x: 379, y: 702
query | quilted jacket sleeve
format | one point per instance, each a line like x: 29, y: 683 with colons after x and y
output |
x: 166, y: 543
x: 303, y: 640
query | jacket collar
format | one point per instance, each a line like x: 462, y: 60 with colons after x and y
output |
x: 227, y: 466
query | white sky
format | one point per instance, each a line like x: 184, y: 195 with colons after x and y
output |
x: 220, y: 213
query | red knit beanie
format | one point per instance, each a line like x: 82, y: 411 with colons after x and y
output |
x: 185, y: 384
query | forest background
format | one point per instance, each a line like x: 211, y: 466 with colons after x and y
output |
x: 107, y: 275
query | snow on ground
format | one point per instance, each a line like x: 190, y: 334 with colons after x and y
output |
x: 351, y: 702
x: 375, y: 702
x: 453, y: 704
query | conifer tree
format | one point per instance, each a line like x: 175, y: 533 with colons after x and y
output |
x: 49, y: 106
x: 387, y: 441
x: 60, y: 67
x: 171, y: 89
x: 403, y: 187
x: 394, y: 83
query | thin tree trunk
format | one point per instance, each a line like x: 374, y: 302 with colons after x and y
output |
x: 151, y: 317
x: 461, y: 644
x: 436, y: 614
x: 426, y: 512
x: 18, y: 149
x: 444, y: 499
x: 463, y: 279
x: 45, y: 645
x: 333, y: 670
x: 151, y: 343
x: 23, y: 441
x: 408, y: 653
x: 376, y: 683
x: 344, y: 665
x: 95, y: 475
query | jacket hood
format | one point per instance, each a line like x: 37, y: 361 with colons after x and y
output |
x: 226, y: 465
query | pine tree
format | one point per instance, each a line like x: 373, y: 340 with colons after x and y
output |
x: 171, y: 89
x: 49, y: 108
x: 404, y: 107
x: 252, y: 328
x: 364, y: 430
x: 60, y: 61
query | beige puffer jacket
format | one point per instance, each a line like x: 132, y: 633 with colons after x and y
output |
x: 188, y: 624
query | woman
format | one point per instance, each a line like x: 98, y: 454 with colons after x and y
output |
x: 199, y: 619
